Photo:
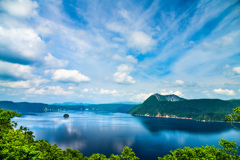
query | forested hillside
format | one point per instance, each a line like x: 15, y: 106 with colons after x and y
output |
x: 197, y: 109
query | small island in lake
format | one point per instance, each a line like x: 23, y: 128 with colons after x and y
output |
x: 65, y: 115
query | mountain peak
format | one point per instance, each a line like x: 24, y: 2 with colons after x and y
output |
x: 171, y: 97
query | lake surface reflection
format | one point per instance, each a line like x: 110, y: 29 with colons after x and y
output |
x: 107, y: 133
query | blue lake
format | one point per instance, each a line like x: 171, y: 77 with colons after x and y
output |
x: 107, y: 133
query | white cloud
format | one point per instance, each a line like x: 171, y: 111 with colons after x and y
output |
x: 71, y: 88
x: 122, y: 74
x: 21, y: 45
x: 179, y: 82
x: 57, y: 90
x: 20, y: 8
x: 85, y: 90
x: 46, y: 27
x: 123, y: 77
x: 49, y: 90
x: 64, y: 75
x: 141, y: 41
x: 224, y: 92
x: 178, y: 93
x: 127, y: 59
x: 105, y: 91
x: 236, y: 70
x: 17, y: 84
x: 141, y: 97
x: 47, y: 72
x: 165, y: 92
x: 37, y: 81
x: 34, y: 91
x: 23, y: 84
x: 53, y: 62
x: 116, y: 27
x: 15, y: 71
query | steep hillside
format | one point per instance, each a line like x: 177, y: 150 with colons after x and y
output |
x: 172, y: 106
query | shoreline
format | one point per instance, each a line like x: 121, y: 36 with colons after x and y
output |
x: 175, y: 117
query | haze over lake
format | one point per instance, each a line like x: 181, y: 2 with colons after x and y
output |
x: 104, y: 132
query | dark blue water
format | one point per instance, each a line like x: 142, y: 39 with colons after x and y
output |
x: 107, y: 133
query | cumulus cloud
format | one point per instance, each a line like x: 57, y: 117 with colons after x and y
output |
x: 15, y: 71
x: 34, y: 91
x: 165, y: 92
x: 122, y: 74
x: 52, y: 62
x: 19, y: 8
x: 179, y: 82
x: 127, y: 59
x: 141, y: 97
x: 20, y: 45
x: 74, y: 76
x: 141, y: 41
x: 236, y: 70
x: 23, y: 84
x: 105, y: 91
x: 17, y: 84
x: 49, y: 90
x: 224, y: 92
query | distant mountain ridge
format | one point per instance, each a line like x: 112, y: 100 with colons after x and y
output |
x: 172, y: 106
x: 25, y: 107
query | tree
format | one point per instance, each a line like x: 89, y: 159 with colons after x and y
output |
x: 235, y: 116
x: 229, y: 147
x: 128, y: 154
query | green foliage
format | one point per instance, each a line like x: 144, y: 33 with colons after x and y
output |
x: 5, y: 119
x: 207, y: 152
x: 235, y: 116
x: 128, y: 154
x: 197, y: 109
x: 229, y: 147
x: 20, y: 144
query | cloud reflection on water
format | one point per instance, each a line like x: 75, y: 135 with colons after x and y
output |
x: 107, y: 133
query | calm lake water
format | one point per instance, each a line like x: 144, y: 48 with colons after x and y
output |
x: 107, y: 133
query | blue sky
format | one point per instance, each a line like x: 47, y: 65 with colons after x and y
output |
x: 106, y: 51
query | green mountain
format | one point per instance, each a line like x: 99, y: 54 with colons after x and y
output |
x: 172, y: 106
